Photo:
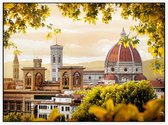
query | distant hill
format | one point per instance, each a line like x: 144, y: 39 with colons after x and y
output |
x: 95, y: 65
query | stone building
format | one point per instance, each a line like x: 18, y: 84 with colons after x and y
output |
x: 56, y: 61
x: 71, y: 77
x: 34, y: 76
x: 93, y: 76
x: 123, y: 64
x: 16, y: 68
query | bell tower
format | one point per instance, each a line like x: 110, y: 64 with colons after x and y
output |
x: 15, y: 68
x: 56, y: 61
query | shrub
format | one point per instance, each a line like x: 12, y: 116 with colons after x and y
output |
x: 154, y: 111
x: 17, y: 117
x: 129, y: 92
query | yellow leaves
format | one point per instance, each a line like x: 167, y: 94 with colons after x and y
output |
x: 126, y: 44
x: 110, y: 105
x: 154, y: 110
x: 151, y: 50
x: 39, y: 120
x: 53, y: 115
x: 126, y: 112
x: 49, y: 35
x: 53, y: 32
x: 98, y: 111
x: 161, y: 51
x: 17, y: 52
x: 8, y: 6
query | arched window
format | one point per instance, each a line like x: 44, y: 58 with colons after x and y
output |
x: 53, y: 59
x: 65, y: 80
x: 28, y: 79
x: 76, y: 79
x: 59, y: 59
x: 38, y: 79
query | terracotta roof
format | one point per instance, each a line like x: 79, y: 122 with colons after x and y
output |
x: 94, y: 71
x: 140, y: 77
x: 33, y: 68
x: 158, y: 84
x: 119, y: 53
x: 110, y: 77
x: 71, y: 67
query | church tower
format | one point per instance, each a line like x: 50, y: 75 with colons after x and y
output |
x: 15, y: 68
x: 56, y: 61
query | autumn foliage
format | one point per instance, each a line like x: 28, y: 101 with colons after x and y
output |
x: 130, y: 92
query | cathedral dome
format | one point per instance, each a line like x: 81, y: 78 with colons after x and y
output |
x: 124, y: 63
x: 119, y: 53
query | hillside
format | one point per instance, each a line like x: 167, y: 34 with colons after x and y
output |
x: 96, y: 65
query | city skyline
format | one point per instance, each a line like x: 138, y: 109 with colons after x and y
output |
x: 82, y: 42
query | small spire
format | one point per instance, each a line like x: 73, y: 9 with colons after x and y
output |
x: 123, y: 33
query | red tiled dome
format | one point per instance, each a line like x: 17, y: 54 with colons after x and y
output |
x: 140, y: 77
x: 119, y: 53
x: 110, y: 77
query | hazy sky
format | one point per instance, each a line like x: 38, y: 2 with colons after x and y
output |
x: 82, y: 42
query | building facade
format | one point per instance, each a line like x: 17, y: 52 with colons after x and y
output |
x: 34, y: 77
x: 65, y: 104
x: 123, y: 63
x: 56, y: 61
x: 71, y: 77
x: 93, y: 76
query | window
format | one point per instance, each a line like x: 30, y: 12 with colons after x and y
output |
x: 62, y: 108
x: 55, y: 106
x: 53, y: 79
x: 112, y: 69
x: 125, y: 69
x: 136, y: 69
x: 53, y: 70
x: 89, y: 77
x: 51, y: 107
x: 27, y: 106
x: 19, y: 106
x: 67, y: 108
x: 42, y: 107
x: 38, y: 79
x: 5, y: 105
x: 43, y: 116
x: 12, y: 106
x: 28, y: 80
x: 99, y: 77
x: 76, y: 79
x: 65, y: 79
x: 59, y: 59
x: 67, y: 116
x: 53, y: 59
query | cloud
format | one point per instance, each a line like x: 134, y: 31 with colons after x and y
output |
x: 82, y: 42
